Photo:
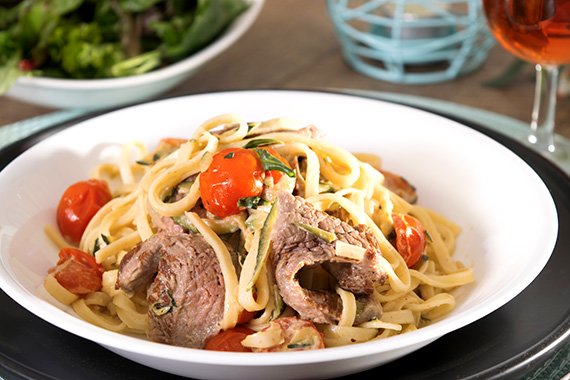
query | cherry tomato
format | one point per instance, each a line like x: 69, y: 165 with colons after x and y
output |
x: 229, y: 340
x: 410, y: 238
x: 166, y: 146
x: 233, y: 174
x: 78, y: 205
x: 275, y: 174
x: 400, y: 186
x: 245, y: 316
x: 78, y: 271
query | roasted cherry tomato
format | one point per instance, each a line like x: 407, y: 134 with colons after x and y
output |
x: 78, y: 205
x: 78, y: 271
x: 275, y: 174
x: 245, y: 316
x: 234, y: 173
x: 229, y: 340
x: 400, y: 186
x: 410, y: 238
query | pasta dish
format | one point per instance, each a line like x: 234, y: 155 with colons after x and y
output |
x: 254, y: 237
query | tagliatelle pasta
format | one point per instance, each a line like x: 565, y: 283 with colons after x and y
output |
x: 331, y: 179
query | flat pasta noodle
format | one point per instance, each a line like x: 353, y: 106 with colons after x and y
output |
x: 128, y: 313
x: 97, y: 318
x: 61, y: 294
x: 335, y: 336
x: 231, y: 304
x: 348, y: 308
x: 52, y: 232
x: 329, y: 177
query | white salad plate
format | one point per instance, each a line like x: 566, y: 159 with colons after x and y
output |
x: 502, y: 205
x: 113, y: 92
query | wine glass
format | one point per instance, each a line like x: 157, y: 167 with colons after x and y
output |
x: 537, y: 31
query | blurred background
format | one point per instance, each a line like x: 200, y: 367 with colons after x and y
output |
x: 293, y: 45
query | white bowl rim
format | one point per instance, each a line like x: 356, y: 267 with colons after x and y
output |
x: 182, y: 354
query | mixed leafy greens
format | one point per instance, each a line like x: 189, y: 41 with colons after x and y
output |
x: 90, y: 39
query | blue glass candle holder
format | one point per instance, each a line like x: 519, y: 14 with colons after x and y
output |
x: 411, y: 41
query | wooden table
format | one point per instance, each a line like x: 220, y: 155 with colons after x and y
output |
x: 293, y: 45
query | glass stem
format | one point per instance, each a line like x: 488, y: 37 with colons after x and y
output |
x: 544, y: 108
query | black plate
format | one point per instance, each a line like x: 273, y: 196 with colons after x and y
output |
x: 508, y: 343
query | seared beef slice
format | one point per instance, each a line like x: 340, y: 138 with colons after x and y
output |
x: 293, y: 249
x: 186, y: 297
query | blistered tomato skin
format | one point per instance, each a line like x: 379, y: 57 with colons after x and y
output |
x: 233, y: 174
x: 77, y: 271
x: 229, y: 340
x: 410, y: 238
x: 275, y: 174
x: 77, y: 206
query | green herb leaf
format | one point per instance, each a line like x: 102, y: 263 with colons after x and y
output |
x: 181, y: 190
x: 327, y: 236
x: 100, y: 243
x: 251, y: 125
x: 252, y: 202
x: 261, y: 142
x: 298, y: 345
x: 278, y: 303
x: 210, y: 19
x: 159, y: 308
x: 137, y: 5
x: 140, y: 64
x: 264, y: 243
x: 230, y: 155
x: 326, y: 187
x: 270, y: 162
x: 183, y: 222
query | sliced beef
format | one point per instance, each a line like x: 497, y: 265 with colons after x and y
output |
x: 341, y: 214
x: 164, y: 224
x: 368, y: 307
x: 168, y: 224
x: 294, y: 249
x: 399, y: 185
x: 186, y: 296
x: 182, y: 189
x: 309, y: 131
x: 139, y: 266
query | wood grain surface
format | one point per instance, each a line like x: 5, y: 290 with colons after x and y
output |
x: 292, y: 45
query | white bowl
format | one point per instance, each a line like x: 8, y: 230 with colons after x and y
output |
x: 475, y: 181
x: 107, y: 93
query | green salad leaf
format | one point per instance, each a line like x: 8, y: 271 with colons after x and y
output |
x: 91, y: 39
x: 137, y: 5
x: 210, y: 19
